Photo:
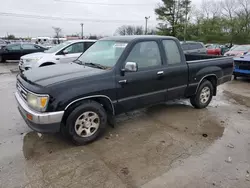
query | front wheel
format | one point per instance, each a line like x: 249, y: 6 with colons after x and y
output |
x: 86, y: 122
x: 203, y: 96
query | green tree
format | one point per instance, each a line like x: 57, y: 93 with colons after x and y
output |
x: 11, y: 37
x: 173, y: 14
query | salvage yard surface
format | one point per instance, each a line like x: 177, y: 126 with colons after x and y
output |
x: 168, y: 145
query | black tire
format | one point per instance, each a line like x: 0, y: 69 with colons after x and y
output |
x: 70, y: 128
x: 235, y: 77
x: 2, y: 59
x: 196, y: 100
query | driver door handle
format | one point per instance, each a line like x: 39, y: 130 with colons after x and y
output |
x: 160, y: 73
x: 122, y: 81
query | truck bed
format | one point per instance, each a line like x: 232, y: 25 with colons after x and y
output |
x: 194, y: 57
x: 199, y: 65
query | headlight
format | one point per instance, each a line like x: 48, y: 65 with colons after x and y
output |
x: 33, y: 59
x: 240, y: 54
x: 36, y: 102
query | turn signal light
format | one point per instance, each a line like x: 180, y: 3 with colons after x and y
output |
x: 29, y: 117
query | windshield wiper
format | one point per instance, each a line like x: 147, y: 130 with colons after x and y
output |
x: 99, y: 66
x: 77, y: 61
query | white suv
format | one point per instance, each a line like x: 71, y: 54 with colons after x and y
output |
x: 62, y: 53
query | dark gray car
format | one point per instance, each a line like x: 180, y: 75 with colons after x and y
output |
x: 193, y: 47
x: 2, y: 43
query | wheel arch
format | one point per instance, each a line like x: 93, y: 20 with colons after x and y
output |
x: 46, y: 64
x: 213, y: 79
x: 103, y: 100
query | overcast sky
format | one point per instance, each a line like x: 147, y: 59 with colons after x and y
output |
x: 24, y: 17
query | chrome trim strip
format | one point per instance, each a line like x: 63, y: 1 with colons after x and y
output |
x: 143, y: 95
x: 92, y: 96
x: 203, y: 79
x: 39, y: 118
x: 178, y: 87
x: 212, y: 59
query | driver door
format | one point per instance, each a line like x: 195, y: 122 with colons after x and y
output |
x: 146, y: 86
x: 13, y: 52
x: 70, y: 53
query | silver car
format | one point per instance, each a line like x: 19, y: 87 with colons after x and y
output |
x: 190, y: 47
x: 62, y: 53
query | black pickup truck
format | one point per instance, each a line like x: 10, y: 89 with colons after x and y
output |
x: 116, y: 75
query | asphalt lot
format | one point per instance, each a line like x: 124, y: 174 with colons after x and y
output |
x: 171, y: 145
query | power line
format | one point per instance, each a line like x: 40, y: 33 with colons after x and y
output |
x: 19, y: 15
x: 105, y: 4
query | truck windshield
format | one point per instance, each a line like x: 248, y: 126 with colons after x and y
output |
x: 58, y: 47
x: 105, y: 53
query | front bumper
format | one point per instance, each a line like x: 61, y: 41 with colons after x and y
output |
x: 46, y: 122
x: 240, y: 72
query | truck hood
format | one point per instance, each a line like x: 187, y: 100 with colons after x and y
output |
x: 54, y: 74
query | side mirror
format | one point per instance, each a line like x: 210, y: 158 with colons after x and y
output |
x: 65, y: 52
x: 131, y: 67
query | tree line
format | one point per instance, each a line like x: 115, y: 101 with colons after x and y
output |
x: 225, y: 21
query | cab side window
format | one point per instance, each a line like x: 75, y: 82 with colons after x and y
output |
x: 172, y: 52
x: 75, y: 48
x: 29, y: 47
x: 145, y: 54
x: 14, y: 47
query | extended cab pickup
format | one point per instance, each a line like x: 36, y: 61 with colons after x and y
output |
x: 115, y: 75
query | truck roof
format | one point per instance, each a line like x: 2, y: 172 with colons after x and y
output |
x: 82, y: 40
x: 136, y: 37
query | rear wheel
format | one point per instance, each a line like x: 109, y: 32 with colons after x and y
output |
x: 203, y: 96
x: 86, y: 123
x: 2, y: 59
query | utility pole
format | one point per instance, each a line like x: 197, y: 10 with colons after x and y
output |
x: 82, y: 29
x: 146, y: 24
x: 185, y: 27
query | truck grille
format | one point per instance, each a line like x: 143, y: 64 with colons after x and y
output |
x: 22, y: 91
x: 243, y: 65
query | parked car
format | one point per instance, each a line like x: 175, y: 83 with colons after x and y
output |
x: 193, y: 47
x: 62, y: 53
x: 238, y: 50
x: 214, y: 49
x: 2, y: 43
x: 242, y: 66
x: 116, y: 75
x: 15, y: 51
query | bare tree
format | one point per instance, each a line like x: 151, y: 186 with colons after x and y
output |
x: 130, y: 30
x: 206, y: 8
x: 215, y: 9
x: 244, y: 13
x: 229, y: 8
x: 58, y: 33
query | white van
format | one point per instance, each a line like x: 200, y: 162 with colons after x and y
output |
x: 62, y: 53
